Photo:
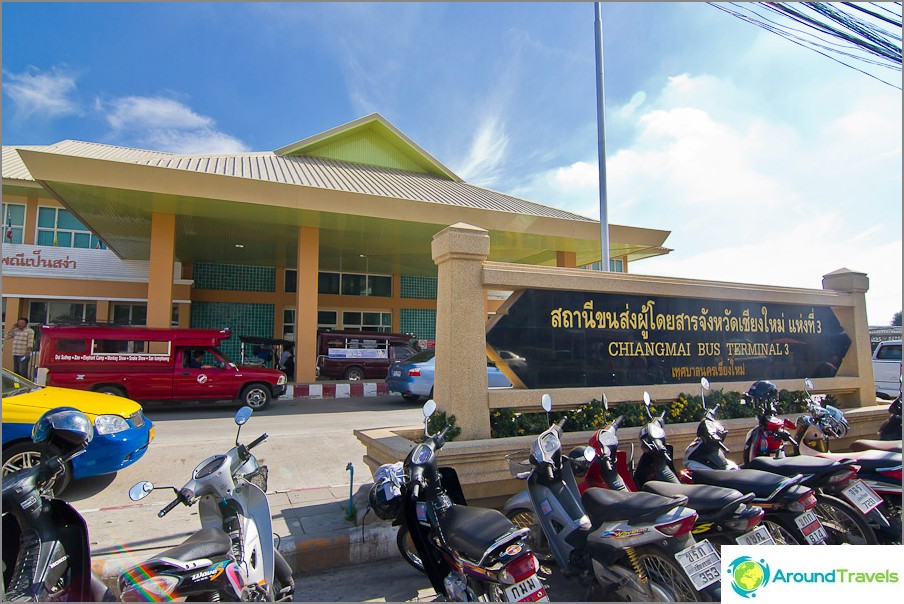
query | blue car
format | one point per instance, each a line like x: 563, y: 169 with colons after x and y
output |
x: 413, y: 377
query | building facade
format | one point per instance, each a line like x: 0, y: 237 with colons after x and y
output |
x: 332, y: 231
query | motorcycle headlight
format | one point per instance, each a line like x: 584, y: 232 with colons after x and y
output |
x: 110, y: 424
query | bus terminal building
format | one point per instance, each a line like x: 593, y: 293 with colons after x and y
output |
x: 333, y: 231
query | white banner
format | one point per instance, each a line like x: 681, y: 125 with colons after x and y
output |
x: 808, y: 573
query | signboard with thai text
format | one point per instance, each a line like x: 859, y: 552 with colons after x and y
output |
x: 563, y: 339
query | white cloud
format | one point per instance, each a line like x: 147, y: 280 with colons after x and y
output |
x: 166, y: 125
x: 754, y: 197
x: 487, y: 153
x: 42, y: 94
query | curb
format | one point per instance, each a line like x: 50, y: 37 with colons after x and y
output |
x: 348, y: 390
x: 370, y: 542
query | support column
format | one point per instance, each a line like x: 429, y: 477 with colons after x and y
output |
x: 566, y: 259
x: 160, y: 274
x: 103, y: 311
x: 460, y: 385
x: 14, y: 308
x: 858, y: 361
x: 306, y: 305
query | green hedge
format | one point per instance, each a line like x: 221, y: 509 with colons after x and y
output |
x: 686, y: 408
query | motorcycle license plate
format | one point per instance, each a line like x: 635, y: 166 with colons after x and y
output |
x: 702, y: 564
x: 862, y: 496
x: 529, y: 590
x: 396, y: 374
x: 758, y: 536
x: 810, y: 527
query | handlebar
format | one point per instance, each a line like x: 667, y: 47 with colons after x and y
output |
x: 170, y: 506
x: 258, y: 440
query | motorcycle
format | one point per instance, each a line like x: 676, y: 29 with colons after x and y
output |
x: 633, y: 546
x: 232, y: 557
x: 725, y: 516
x: 46, y: 551
x: 468, y: 553
x: 788, y: 506
x: 877, y: 492
x: 891, y: 427
x: 833, y: 481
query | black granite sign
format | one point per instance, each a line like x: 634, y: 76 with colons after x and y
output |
x: 559, y: 339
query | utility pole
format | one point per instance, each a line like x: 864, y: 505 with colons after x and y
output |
x: 601, y: 126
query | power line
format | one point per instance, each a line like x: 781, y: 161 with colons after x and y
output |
x: 847, y: 33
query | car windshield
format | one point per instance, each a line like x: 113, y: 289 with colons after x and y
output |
x: 14, y: 384
x: 421, y: 357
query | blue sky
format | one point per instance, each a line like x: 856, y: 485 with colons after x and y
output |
x: 769, y: 163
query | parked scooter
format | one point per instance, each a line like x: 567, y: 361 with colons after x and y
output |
x: 891, y: 427
x: 788, y: 505
x: 877, y: 492
x: 46, y: 549
x: 232, y: 557
x: 725, y: 516
x: 831, y: 480
x: 468, y: 553
x: 618, y: 544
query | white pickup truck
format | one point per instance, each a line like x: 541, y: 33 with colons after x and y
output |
x: 887, y: 368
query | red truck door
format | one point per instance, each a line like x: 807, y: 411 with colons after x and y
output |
x: 215, y: 379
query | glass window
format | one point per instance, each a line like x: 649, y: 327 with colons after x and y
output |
x: 131, y: 314
x: 71, y: 345
x: 13, y: 217
x: 58, y: 227
x: 61, y: 312
x: 354, y: 285
x: 351, y: 318
x: 290, y: 284
x: 328, y: 283
x: 367, y: 321
x: 379, y: 286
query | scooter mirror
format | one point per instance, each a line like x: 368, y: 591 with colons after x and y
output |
x: 704, y: 383
x: 242, y: 415
x: 140, y: 490
x: 429, y: 408
x: 808, y: 383
x: 546, y: 401
x: 589, y: 453
x: 646, y: 398
x: 605, y: 402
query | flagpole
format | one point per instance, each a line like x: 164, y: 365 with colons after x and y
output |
x: 601, y: 125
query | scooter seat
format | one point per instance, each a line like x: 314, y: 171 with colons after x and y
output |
x: 869, y: 461
x: 761, y: 484
x: 604, y: 505
x: 815, y: 468
x: 206, y: 543
x: 891, y: 446
x: 705, y: 499
x: 471, y: 531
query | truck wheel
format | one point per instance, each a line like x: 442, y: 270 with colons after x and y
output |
x: 114, y: 390
x: 354, y: 374
x: 256, y: 396
x: 26, y: 454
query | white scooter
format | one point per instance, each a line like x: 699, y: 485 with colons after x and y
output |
x: 232, y: 557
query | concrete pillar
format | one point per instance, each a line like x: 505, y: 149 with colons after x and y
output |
x: 566, y: 259
x: 160, y: 273
x: 14, y: 310
x: 103, y: 311
x: 858, y: 361
x: 460, y: 385
x: 306, y: 305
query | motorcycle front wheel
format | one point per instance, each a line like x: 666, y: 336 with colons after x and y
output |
x: 524, y: 518
x: 407, y: 548
x: 843, y: 522
x: 663, y: 570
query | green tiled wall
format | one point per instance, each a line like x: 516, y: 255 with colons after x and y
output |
x: 419, y: 287
x: 234, y: 277
x: 419, y: 321
x: 242, y: 319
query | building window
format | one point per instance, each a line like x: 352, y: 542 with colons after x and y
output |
x: 345, y: 284
x: 61, y: 312
x: 58, y: 227
x: 327, y: 319
x: 13, y: 222
x: 615, y: 266
x: 131, y: 314
x: 366, y: 320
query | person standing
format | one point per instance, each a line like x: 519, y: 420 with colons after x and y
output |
x: 23, y: 338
